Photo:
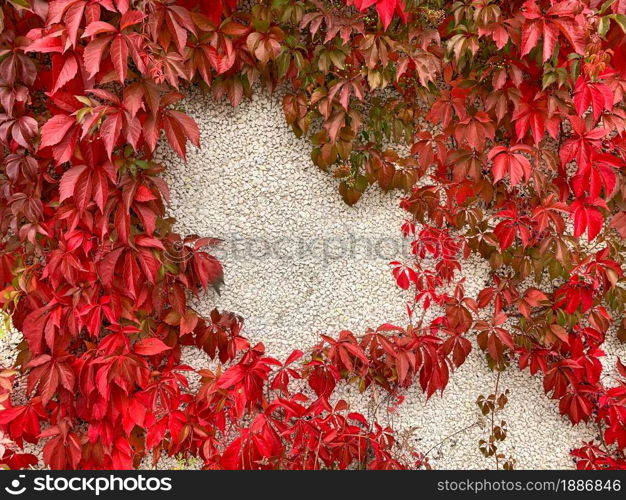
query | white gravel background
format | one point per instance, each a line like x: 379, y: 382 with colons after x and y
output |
x: 299, y: 262
x: 253, y: 184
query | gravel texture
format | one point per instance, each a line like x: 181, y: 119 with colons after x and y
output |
x: 299, y: 262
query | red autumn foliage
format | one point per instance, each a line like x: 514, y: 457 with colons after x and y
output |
x: 515, y: 119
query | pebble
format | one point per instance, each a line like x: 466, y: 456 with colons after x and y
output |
x: 254, y: 182
x: 300, y: 262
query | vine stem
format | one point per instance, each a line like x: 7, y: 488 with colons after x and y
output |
x: 450, y: 436
x: 493, y: 414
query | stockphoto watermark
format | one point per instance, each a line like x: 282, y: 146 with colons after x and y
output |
x: 348, y: 247
x: 95, y: 485
x: 316, y: 249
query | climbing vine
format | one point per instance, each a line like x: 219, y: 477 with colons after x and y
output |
x: 503, y: 122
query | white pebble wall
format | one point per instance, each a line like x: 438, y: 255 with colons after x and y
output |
x: 299, y: 262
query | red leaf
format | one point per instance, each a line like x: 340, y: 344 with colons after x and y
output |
x: 404, y: 275
x: 294, y: 356
x: 73, y: 18
x: 618, y: 222
x: 131, y: 18
x: 119, y: 56
x: 93, y: 55
x: 510, y: 161
x: 587, y: 217
x: 150, y: 347
x: 55, y: 129
x: 110, y: 131
x: 68, y: 71
x: 188, y: 322
x: 178, y: 128
x: 97, y: 28
x: 385, y: 9
x: 68, y: 182
x: 597, y: 95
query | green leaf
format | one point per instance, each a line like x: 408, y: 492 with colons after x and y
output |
x: 260, y: 25
x: 25, y: 4
x: 620, y: 19
x: 605, y: 6
x: 282, y: 64
x: 548, y: 79
x: 83, y: 99
x: 80, y: 114
x: 603, y: 26
x: 361, y: 183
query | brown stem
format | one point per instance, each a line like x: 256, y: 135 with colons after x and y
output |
x: 450, y: 436
x: 493, y: 415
